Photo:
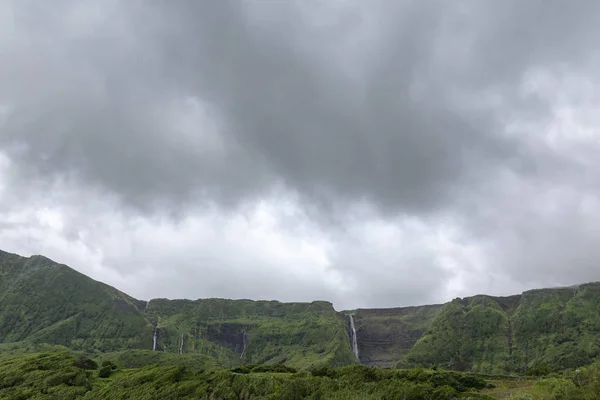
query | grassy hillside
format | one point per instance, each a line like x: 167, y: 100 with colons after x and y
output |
x: 46, y: 302
x: 43, y: 302
x: 537, y: 332
x: 256, y: 332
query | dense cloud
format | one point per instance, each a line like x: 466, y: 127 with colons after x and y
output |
x: 372, y: 154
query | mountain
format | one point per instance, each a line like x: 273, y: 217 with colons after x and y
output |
x: 43, y: 302
x: 538, y: 331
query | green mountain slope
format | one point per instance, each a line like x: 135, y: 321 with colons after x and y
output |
x: 538, y: 331
x: 45, y: 302
x: 256, y: 332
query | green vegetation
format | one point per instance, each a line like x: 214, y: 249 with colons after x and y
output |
x: 467, y: 334
x: 539, y: 332
x: 300, y: 335
x: 45, y: 302
x: 48, y: 307
x: 63, y: 375
x: 386, y: 335
x: 42, y: 302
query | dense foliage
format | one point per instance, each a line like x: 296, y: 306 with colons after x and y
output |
x: 538, y: 332
x: 63, y: 375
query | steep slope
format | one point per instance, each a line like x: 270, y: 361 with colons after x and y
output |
x: 256, y: 332
x: 385, y: 335
x: 46, y: 302
x: 538, y: 331
x: 557, y: 328
x: 470, y: 333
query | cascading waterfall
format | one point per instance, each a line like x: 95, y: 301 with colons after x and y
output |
x: 181, y: 345
x: 354, y: 340
x: 154, y: 339
x: 245, y: 340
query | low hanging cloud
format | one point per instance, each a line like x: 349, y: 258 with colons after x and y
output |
x: 369, y: 154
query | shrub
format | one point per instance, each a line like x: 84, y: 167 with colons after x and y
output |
x: 242, y: 369
x: 274, y: 368
x: 85, y: 363
x: 105, y: 372
x: 323, y: 371
x: 109, y: 364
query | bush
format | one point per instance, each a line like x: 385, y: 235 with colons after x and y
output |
x: 85, y: 363
x: 539, y: 370
x: 444, y: 393
x: 323, y: 371
x: 104, y: 372
x: 274, y: 368
x: 242, y: 369
x: 109, y: 364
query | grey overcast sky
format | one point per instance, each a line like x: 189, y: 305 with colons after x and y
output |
x: 370, y: 153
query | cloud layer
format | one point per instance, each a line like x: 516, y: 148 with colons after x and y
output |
x: 371, y: 155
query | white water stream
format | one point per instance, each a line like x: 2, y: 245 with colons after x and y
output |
x: 245, y: 340
x: 354, y: 340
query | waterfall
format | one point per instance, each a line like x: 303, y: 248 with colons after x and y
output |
x: 154, y: 339
x: 354, y: 341
x: 181, y: 345
x: 245, y: 340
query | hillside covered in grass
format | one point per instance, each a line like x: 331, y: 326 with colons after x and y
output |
x: 45, y: 302
x: 257, y: 332
x: 539, y: 331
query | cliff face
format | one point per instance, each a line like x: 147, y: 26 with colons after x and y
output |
x: 45, y: 302
x: 385, y: 335
x: 539, y: 330
x: 546, y: 329
x: 233, y: 331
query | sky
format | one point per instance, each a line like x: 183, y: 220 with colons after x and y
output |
x: 371, y: 154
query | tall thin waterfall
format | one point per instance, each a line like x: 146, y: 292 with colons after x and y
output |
x: 154, y: 339
x: 354, y: 341
x: 245, y: 340
x: 181, y: 345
